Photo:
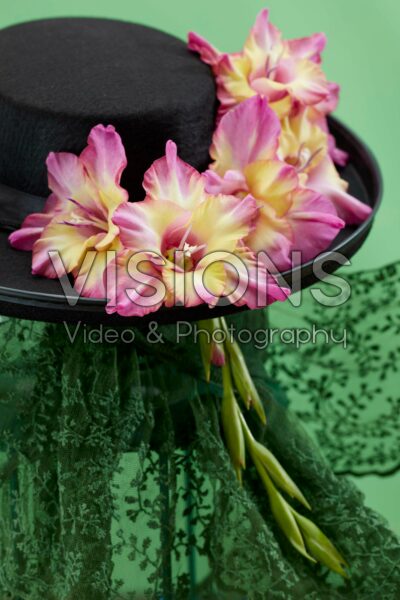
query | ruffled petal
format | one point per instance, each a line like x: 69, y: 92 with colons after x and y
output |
x: 325, y: 180
x: 170, y: 178
x: 34, y: 224
x: 261, y: 289
x: 274, y: 91
x: 266, y: 35
x: 66, y: 178
x: 53, y: 205
x: 233, y: 81
x: 89, y: 277
x: 314, y: 223
x: 142, y: 225
x: 248, y: 133
x: 339, y: 157
x: 264, y: 41
x: 71, y: 186
x: 70, y: 242
x: 232, y: 182
x: 139, y: 290
x: 274, y: 237
x: 272, y: 182
x: 104, y: 159
x: 76, y: 223
x: 207, y: 52
x: 304, y: 80
x: 135, y: 224
x: 31, y: 230
x: 330, y: 102
x: 318, y: 119
x: 307, y: 47
x: 231, y: 218
x: 204, y: 284
x: 282, y: 107
x: 236, y: 83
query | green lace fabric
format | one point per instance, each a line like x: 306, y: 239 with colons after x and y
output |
x: 115, y: 482
x: 346, y: 394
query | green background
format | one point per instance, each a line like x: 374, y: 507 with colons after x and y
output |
x: 362, y: 55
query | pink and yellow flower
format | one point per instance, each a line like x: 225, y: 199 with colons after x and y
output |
x: 305, y: 143
x: 185, y: 239
x: 77, y: 218
x: 286, y: 72
x: 292, y: 217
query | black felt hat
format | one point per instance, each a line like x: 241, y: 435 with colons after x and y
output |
x: 58, y: 79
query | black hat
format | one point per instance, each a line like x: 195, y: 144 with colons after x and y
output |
x: 58, y: 79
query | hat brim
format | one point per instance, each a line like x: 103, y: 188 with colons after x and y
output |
x: 35, y: 298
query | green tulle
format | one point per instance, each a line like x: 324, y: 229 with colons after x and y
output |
x: 115, y: 480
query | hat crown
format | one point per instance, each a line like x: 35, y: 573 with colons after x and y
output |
x: 60, y: 77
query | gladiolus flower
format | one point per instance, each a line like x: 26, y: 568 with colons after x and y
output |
x: 77, y: 217
x: 246, y: 161
x: 188, y: 238
x: 285, y: 72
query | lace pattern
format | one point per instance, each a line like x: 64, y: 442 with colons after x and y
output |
x: 347, y: 397
x: 116, y: 484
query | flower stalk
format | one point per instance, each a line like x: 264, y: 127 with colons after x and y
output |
x: 300, y: 531
x: 242, y: 378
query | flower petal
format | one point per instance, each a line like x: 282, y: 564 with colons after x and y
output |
x: 70, y: 242
x: 273, y: 236
x: 330, y: 102
x: 142, y: 225
x: 89, y: 281
x: 231, y: 218
x: 135, y: 297
x: 170, y: 178
x: 314, y: 223
x: 208, y: 53
x: 30, y: 231
x: 232, y: 182
x: 191, y: 288
x: 308, y: 47
x: 71, y: 186
x: 248, y: 133
x: 262, y: 288
x: 264, y: 41
x: 319, y: 120
x: 233, y: 81
x: 272, y: 182
x: 66, y: 178
x: 265, y: 34
x: 304, y: 79
x: 104, y: 159
x: 273, y: 90
x: 339, y: 157
x: 325, y: 180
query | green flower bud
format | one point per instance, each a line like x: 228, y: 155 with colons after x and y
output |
x: 320, y: 546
